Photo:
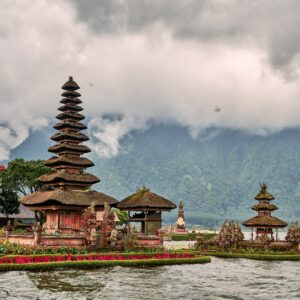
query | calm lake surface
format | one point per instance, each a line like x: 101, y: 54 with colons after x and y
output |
x: 221, y: 279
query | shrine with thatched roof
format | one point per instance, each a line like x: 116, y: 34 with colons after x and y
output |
x: 146, y: 208
x: 68, y: 187
x: 264, y: 222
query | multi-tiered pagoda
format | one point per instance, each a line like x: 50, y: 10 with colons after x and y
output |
x: 68, y: 186
x: 264, y: 222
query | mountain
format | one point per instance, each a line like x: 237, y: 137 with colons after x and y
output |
x: 216, y: 175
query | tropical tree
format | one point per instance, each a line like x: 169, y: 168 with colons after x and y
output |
x: 20, y: 178
x: 23, y: 175
x: 9, y: 200
x: 122, y: 215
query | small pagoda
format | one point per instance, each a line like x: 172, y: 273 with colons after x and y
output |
x: 68, y: 187
x: 146, y: 208
x: 264, y: 222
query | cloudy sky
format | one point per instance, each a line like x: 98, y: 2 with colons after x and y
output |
x: 163, y: 61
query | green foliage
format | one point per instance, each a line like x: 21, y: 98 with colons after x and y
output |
x: 191, y: 236
x: 184, y: 237
x: 122, y: 215
x: 17, y: 249
x: 270, y: 257
x: 9, y: 201
x: 23, y: 175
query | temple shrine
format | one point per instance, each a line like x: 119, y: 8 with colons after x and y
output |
x: 68, y: 187
x: 264, y: 222
x: 146, y: 207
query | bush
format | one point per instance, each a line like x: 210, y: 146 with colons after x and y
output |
x: 7, y: 248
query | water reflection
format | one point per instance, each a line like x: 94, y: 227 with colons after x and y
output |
x: 222, y: 279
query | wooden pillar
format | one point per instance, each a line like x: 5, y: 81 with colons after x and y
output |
x: 143, y: 227
x: 276, y: 234
x: 252, y: 234
x: 57, y: 220
x: 146, y: 223
x: 128, y: 222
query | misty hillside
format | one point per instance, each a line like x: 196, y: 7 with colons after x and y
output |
x: 216, y: 175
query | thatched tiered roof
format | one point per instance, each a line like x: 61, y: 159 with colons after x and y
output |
x: 62, y: 162
x: 264, y: 209
x: 65, y: 176
x: 265, y: 221
x: 263, y: 193
x: 68, y: 197
x: 69, y: 148
x: 70, y: 125
x: 69, y: 136
x: 68, y: 183
x: 264, y: 206
x: 144, y: 199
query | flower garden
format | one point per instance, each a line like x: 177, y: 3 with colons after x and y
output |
x: 96, y: 260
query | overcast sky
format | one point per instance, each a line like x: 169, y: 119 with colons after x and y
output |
x: 162, y: 61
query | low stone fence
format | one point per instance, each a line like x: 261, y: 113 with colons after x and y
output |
x: 22, y: 239
x: 46, y: 240
x: 149, y: 241
x: 63, y: 240
x: 73, y: 241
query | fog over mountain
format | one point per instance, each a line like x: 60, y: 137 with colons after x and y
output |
x: 188, y: 63
x: 216, y: 174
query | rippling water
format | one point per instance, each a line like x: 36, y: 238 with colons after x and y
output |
x: 221, y: 279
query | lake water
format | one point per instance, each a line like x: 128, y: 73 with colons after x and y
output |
x: 221, y: 279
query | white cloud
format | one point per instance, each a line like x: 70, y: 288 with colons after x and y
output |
x: 149, y: 74
x: 106, y: 133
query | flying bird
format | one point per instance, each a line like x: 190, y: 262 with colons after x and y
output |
x: 217, y: 109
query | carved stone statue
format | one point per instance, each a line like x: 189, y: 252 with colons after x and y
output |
x: 230, y: 235
x: 293, y: 235
x: 37, y: 229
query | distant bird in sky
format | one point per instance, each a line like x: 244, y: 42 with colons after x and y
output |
x: 91, y: 85
x: 217, y: 109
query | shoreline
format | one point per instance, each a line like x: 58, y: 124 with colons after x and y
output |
x: 265, y: 257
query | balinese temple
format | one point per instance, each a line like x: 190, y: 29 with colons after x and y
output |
x: 180, y: 224
x: 68, y: 187
x: 146, y: 208
x: 264, y: 222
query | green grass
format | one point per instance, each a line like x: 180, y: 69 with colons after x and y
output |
x: 191, y: 236
x: 102, y: 264
x: 255, y: 256
x: 184, y: 237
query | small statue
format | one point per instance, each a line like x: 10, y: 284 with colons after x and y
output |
x: 230, y: 235
x: 113, y: 237
x: 8, y: 229
x: 93, y: 236
x: 264, y: 239
x: 37, y: 229
x: 293, y: 235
